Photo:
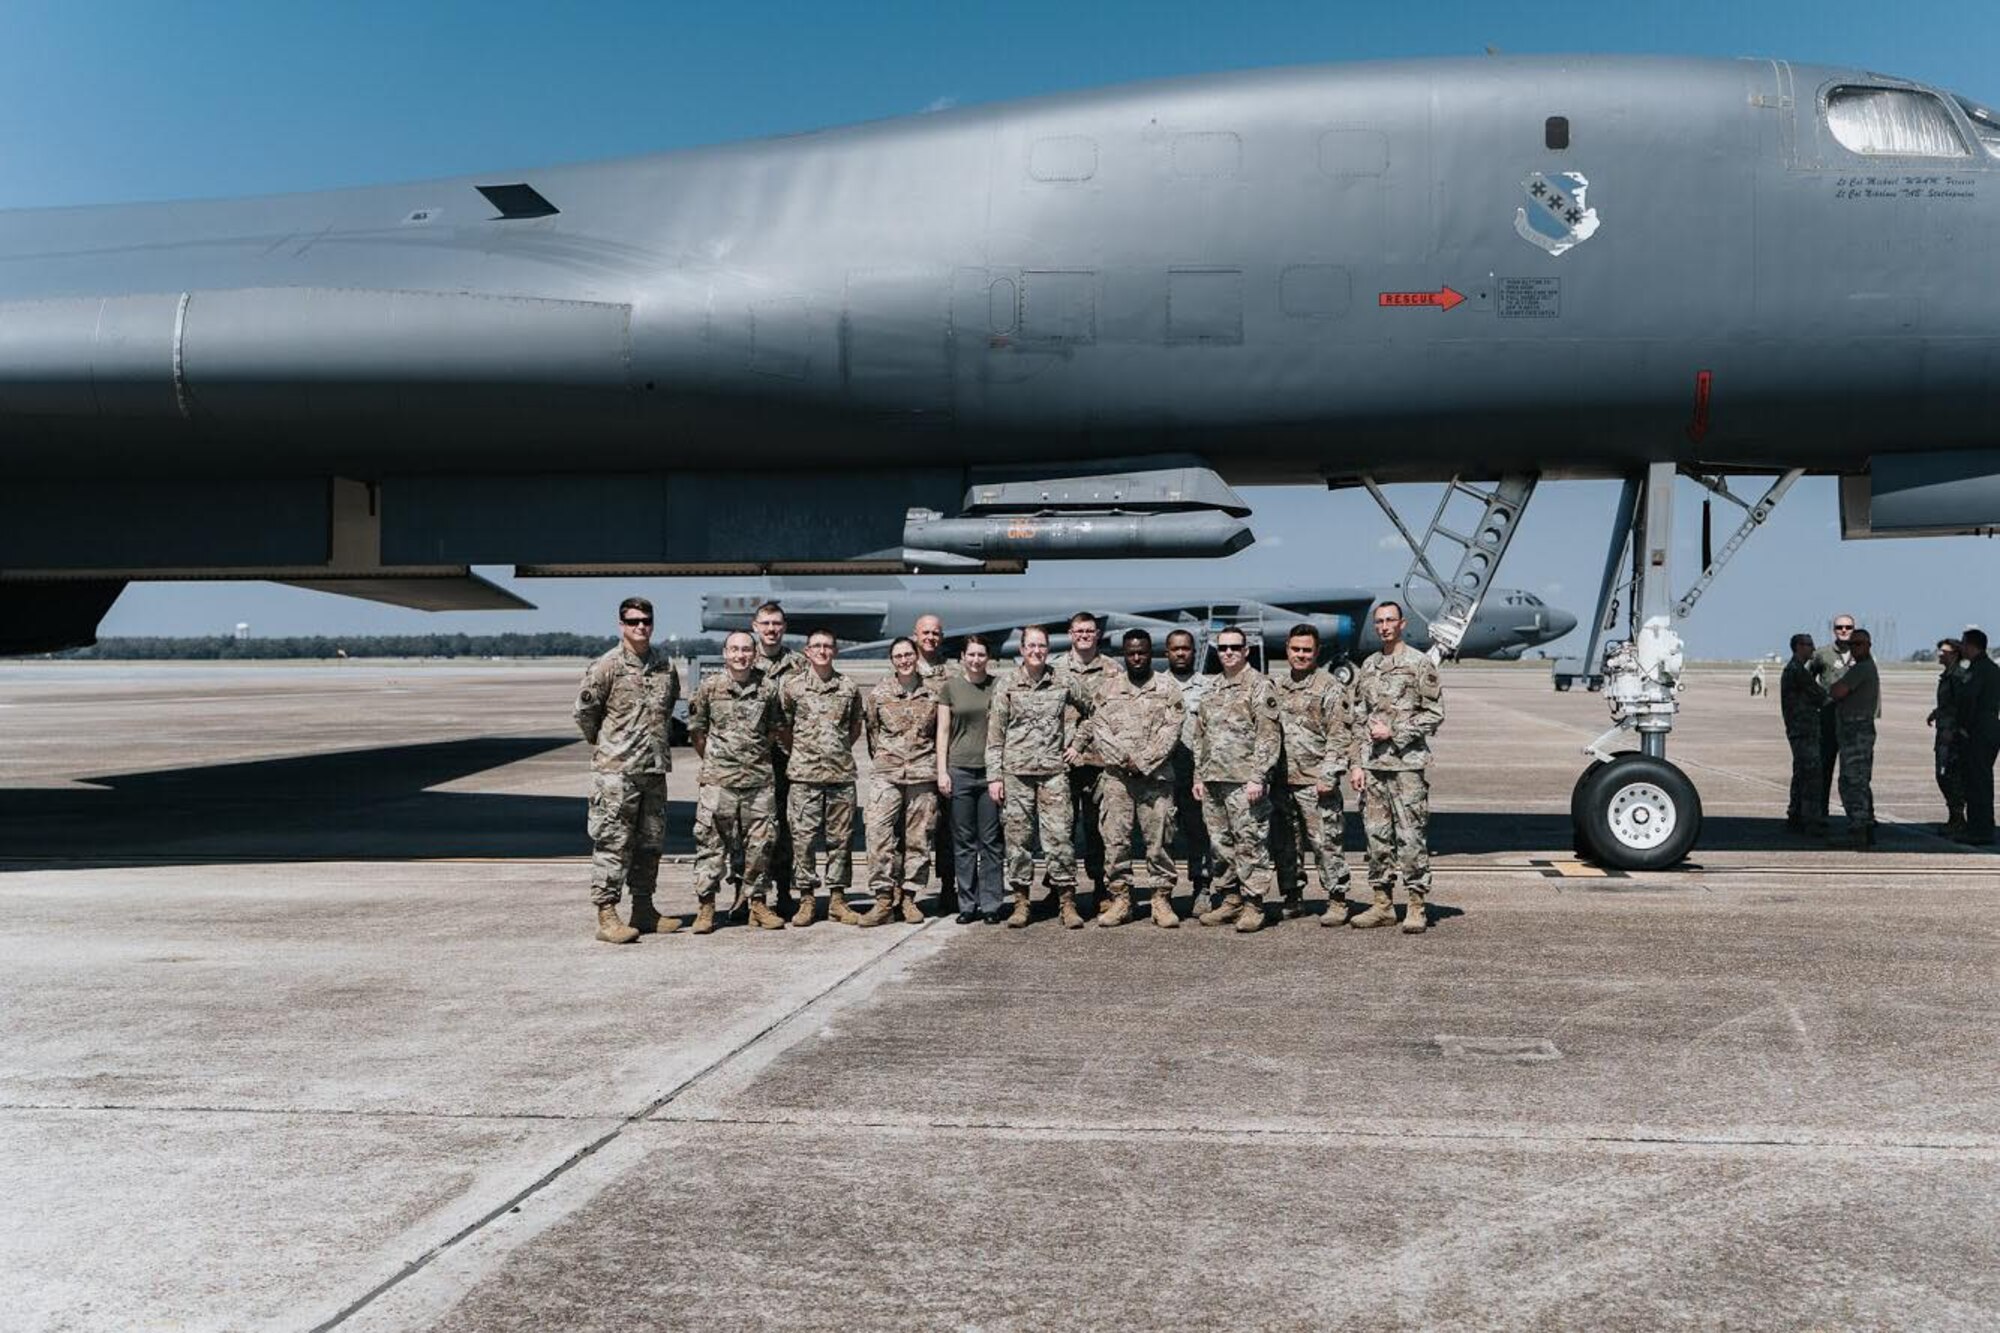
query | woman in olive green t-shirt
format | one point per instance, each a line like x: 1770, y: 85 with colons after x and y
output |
x: 963, y: 702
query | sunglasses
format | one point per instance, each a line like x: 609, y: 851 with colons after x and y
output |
x: 642, y: 620
x: 1843, y: 629
x: 1231, y: 647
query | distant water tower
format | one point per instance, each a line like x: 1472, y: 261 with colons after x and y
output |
x: 242, y: 631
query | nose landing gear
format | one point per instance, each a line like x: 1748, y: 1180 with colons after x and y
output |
x: 1634, y: 810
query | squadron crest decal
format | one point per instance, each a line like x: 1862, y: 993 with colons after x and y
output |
x: 1558, y: 216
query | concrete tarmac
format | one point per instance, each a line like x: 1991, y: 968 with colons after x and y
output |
x: 302, y: 1027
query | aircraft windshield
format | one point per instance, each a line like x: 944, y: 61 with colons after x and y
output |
x: 1985, y: 125
x: 1892, y: 122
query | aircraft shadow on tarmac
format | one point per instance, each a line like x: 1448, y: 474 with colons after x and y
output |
x: 378, y: 803
x: 350, y: 805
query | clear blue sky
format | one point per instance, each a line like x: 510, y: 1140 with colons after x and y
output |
x: 106, y: 102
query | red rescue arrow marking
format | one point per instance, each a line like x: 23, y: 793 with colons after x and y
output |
x: 1704, y: 386
x: 1444, y: 298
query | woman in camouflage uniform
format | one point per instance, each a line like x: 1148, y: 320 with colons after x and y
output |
x: 1027, y: 731
x: 900, y: 720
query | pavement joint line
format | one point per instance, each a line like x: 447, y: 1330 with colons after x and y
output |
x: 413, y: 1267
x: 1045, y: 1130
x: 324, y: 1112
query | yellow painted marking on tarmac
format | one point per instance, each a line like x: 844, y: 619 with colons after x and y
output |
x: 1569, y: 868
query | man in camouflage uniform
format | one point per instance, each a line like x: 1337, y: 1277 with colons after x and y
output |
x: 734, y: 722
x: 1237, y: 740
x: 779, y: 665
x: 1800, y: 699
x: 623, y: 709
x: 1027, y: 730
x: 1083, y: 672
x: 1946, y: 744
x: 1398, y: 707
x: 1857, y: 697
x: 899, y: 719
x: 1309, y: 824
x: 1133, y: 729
x: 822, y: 712
x: 1187, y: 810
x: 1830, y: 663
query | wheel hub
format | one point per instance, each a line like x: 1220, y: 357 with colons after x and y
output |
x: 1641, y: 816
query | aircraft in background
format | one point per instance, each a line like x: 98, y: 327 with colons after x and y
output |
x: 1059, y: 327
x: 869, y: 614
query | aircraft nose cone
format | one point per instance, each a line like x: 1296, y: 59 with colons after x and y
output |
x: 1560, y: 623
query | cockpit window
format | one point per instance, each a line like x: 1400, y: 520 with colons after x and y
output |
x: 1892, y: 122
x: 1985, y: 125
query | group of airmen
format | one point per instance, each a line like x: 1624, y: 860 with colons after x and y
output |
x: 1830, y: 698
x: 1247, y: 767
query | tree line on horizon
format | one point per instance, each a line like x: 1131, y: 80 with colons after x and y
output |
x: 223, y: 647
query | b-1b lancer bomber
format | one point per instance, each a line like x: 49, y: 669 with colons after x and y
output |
x: 1058, y: 326
x: 1508, y: 622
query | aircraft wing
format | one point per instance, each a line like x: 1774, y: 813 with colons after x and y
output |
x: 442, y: 592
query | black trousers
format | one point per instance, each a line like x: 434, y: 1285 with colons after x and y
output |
x: 1978, y: 761
x: 975, y: 842
x: 942, y: 857
x: 1188, y: 820
x: 1829, y: 755
x: 1083, y: 791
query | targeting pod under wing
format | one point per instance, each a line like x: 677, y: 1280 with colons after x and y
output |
x: 1180, y: 510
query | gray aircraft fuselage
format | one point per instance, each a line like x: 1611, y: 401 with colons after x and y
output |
x: 1029, y: 330
x: 1508, y: 623
x: 1231, y: 266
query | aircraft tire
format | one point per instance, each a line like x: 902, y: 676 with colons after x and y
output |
x: 1578, y: 843
x: 1636, y: 813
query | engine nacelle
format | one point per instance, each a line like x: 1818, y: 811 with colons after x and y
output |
x: 1923, y: 495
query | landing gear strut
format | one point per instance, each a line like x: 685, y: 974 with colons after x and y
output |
x: 1634, y: 810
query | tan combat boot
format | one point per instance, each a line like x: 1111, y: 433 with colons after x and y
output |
x: 762, y: 917
x: 877, y: 914
x: 1020, y: 915
x: 647, y: 920
x: 1163, y: 910
x: 1223, y: 912
x: 704, y: 916
x: 1117, y: 908
x: 906, y: 903
x: 1336, y: 908
x: 805, y: 915
x: 837, y: 908
x: 1251, y: 919
x: 610, y: 929
x: 1416, y: 916
x: 1382, y: 913
x: 1071, y: 918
